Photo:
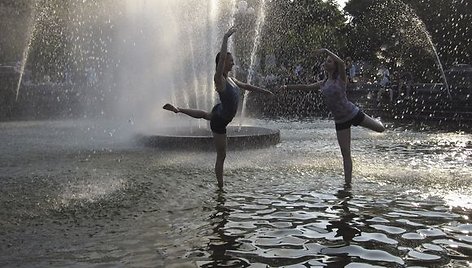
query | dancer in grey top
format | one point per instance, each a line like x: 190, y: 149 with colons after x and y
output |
x: 222, y: 114
x: 345, y: 113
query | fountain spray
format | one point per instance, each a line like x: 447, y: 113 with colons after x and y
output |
x: 30, y: 34
x: 255, y: 47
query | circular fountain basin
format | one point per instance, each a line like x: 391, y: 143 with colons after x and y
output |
x: 244, y: 137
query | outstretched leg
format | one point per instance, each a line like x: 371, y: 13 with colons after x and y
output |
x: 372, y: 124
x: 344, y: 141
x: 170, y: 107
x: 190, y: 112
x: 220, y: 144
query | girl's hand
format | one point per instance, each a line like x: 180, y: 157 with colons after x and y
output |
x: 230, y: 32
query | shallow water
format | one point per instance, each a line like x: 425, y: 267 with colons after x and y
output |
x: 81, y: 194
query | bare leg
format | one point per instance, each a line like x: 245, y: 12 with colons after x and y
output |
x: 372, y: 124
x: 190, y: 112
x: 344, y: 140
x: 220, y: 144
x: 196, y: 113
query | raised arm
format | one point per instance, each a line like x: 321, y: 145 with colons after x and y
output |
x: 249, y: 87
x: 220, y: 66
x: 340, y: 63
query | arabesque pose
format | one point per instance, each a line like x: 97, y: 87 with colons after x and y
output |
x: 345, y: 113
x: 229, y: 90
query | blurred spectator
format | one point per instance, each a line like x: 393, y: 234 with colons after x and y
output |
x: 384, y: 82
x: 318, y: 72
x: 404, y: 84
x: 350, y: 70
x: 298, y: 72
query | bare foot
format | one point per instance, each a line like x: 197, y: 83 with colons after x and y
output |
x: 171, y: 108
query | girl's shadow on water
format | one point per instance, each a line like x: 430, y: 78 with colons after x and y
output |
x: 285, y: 227
x: 222, y: 242
x: 343, y: 224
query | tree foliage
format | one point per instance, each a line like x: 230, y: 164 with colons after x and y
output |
x: 13, y: 18
x: 408, y: 34
x: 294, y: 29
x: 71, y: 34
x: 57, y: 36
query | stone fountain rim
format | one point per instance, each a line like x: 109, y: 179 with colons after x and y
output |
x: 265, y: 137
x: 230, y: 132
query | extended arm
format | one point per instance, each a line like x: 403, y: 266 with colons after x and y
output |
x: 314, y: 86
x: 249, y: 87
x: 219, y: 78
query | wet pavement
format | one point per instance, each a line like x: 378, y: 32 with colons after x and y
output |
x: 83, y: 194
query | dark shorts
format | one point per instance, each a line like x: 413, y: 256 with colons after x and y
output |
x: 217, y: 123
x: 353, y: 122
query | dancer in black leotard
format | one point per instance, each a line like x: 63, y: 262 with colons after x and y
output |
x: 222, y: 114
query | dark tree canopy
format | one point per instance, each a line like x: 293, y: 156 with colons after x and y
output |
x: 405, y: 34
x: 398, y: 33
x: 294, y: 29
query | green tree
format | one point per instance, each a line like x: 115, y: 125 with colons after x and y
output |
x: 296, y: 28
x: 14, y: 16
x: 450, y: 27
x: 405, y: 34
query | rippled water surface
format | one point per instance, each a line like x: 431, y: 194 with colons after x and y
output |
x: 82, y: 194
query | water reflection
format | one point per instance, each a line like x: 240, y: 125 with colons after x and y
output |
x: 284, y: 206
x: 344, y: 224
x: 222, y: 240
x: 332, y: 228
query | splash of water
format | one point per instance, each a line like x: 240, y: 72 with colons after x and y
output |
x: 232, y: 22
x: 255, y: 47
x: 196, y: 83
x: 429, y: 39
x: 438, y: 61
x: 183, y: 58
x: 144, y: 70
x: 30, y: 34
x: 194, y: 75
x: 214, y: 10
x: 413, y: 25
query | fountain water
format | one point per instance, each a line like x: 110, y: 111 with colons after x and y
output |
x: 190, y: 66
x: 441, y: 69
x: 423, y: 29
x: 145, y: 70
x: 34, y: 17
x: 413, y: 30
x: 425, y: 101
x: 142, y: 67
x: 103, y: 201
x: 400, y: 35
x: 157, y: 62
x: 254, y: 51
